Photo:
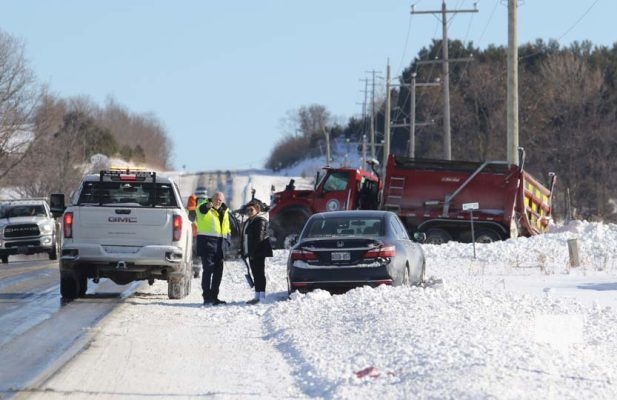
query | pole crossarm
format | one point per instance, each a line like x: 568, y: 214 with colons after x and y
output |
x: 468, y: 10
x: 439, y: 61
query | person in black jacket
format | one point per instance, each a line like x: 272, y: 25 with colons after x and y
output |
x: 256, y: 246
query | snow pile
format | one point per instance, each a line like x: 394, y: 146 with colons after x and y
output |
x: 516, y: 322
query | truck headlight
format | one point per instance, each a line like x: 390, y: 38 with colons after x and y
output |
x: 47, y: 228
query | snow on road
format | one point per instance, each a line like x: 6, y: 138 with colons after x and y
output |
x: 516, y: 322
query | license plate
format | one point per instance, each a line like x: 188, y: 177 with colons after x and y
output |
x: 120, y: 249
x: 340, y: 256
x: 22, y: 249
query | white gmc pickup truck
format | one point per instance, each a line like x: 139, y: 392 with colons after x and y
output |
x: 126, y: 226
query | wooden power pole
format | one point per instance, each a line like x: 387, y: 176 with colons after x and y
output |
x: 512, y: 106
x: 445, y: 73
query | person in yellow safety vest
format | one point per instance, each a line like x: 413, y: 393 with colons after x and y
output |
x: 213, y: 240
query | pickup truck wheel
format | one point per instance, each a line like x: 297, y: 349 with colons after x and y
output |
x: 196, y: 266
x: 188, y: 286
x: 437, y: 236
x: 69, y: 287
x: 5, y: 259
x: 83, y: 285
x: 176, y: 288
x: 53, y: 253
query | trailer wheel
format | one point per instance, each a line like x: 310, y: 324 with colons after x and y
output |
x: 487, y: 236
x: 437, y: 236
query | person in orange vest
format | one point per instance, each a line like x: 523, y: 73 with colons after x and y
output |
x: 191, y: 205
x: 213, y: 240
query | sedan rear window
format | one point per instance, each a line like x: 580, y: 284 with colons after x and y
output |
x: 343, y: 227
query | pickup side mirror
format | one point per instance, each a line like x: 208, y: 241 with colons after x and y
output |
x: 56, y: 204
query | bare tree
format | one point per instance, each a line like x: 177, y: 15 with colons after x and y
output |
x: 573, y: 130
x: 53, y: 163
x: 142, y: 134
x: 479, y: 111
x: 313, y: 119
x: 19, y: 98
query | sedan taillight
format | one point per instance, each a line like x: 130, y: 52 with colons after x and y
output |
x: 67, y: 224
x: 383, y: 252
x: 177, y: 228
x: 303, y: 255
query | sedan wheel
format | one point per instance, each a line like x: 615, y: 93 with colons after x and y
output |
x: 406, y: 276
x: 422, y: 275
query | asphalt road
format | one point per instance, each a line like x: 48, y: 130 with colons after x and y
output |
x: 39, y: 332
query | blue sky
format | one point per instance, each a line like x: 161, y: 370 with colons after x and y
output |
x: 221, y: 75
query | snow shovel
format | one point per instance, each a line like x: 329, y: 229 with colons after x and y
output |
x: 249, y: 278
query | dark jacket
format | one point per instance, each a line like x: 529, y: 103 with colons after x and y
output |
x: 255, y: 232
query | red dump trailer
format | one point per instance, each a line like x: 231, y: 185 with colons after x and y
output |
x: 439, y: 198
x: 436, y: 197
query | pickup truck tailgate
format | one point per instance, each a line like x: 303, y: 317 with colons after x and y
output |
x: 123, y: 226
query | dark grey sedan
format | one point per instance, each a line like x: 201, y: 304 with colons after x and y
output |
x: 340, y: 250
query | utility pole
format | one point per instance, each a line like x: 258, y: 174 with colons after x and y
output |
x: 412, y: 112
x: 412, y: 116
x: 363, y: 151
x: 386, y: 129
x: 445, y: 68
x: 364, y: 105
x: 325, y: 131
x: 512, y: 106
x: 372, y: 118
x: 445, y: 72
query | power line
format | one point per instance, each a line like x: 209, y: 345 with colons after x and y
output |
x: 578, y: 20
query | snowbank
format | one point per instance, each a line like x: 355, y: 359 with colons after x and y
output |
x: 516, y: 322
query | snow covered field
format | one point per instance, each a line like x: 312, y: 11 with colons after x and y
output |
x: 516, y: 322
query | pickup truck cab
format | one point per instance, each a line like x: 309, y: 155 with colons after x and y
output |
x: 126, y: 226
